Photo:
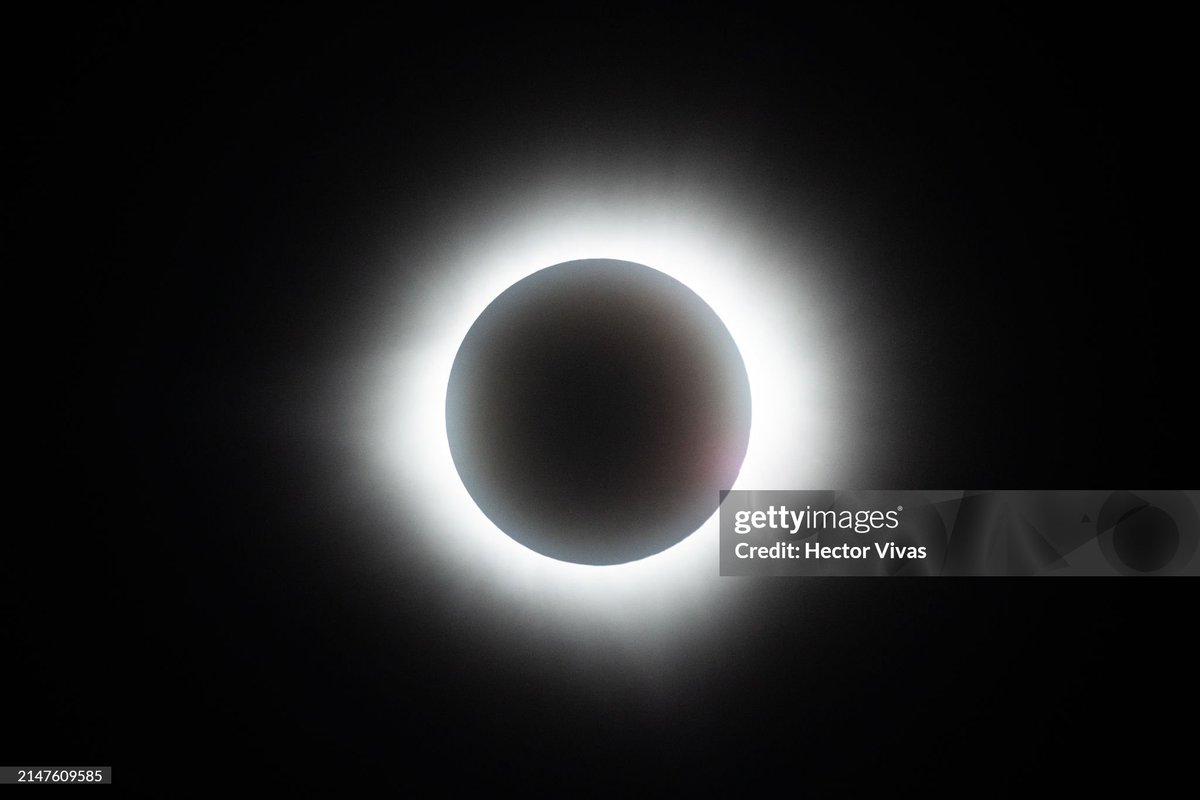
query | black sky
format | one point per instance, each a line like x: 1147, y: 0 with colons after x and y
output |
x: 1002, y: 181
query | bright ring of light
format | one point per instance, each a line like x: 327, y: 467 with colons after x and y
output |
x: 748, y: 276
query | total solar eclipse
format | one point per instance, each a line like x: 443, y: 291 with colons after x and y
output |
x: 596, y: 409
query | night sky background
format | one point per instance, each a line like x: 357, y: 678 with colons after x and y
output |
x: 205, y: 202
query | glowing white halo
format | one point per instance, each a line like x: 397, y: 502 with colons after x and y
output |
x: 748, y: 277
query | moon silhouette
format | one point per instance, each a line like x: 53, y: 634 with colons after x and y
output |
x: 596, y: 409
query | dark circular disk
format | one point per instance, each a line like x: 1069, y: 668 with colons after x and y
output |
x: 596, y: 409
x: 1146, y: 539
